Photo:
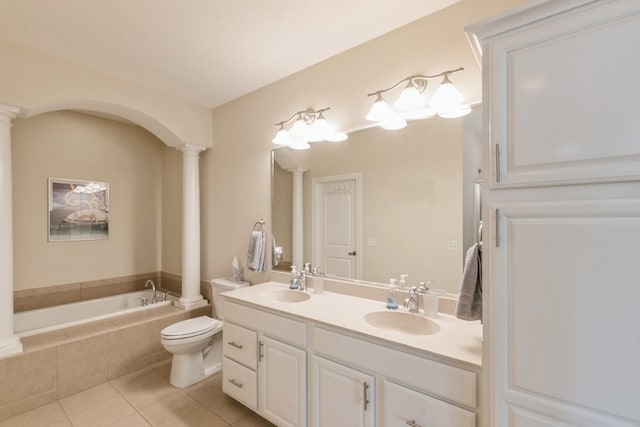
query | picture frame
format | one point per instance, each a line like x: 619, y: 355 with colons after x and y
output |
x: 78, y: 210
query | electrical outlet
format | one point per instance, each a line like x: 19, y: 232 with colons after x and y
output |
x: 453, y: 245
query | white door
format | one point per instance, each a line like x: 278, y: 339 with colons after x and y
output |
x: 335, y: 219
x: 282, y: 383
x: 343, y: 396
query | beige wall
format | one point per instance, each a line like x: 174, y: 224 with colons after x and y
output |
x: 237, y: 169
x: 38, y: 82
x: 78, y: 146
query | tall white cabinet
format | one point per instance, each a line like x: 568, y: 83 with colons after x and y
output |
x: 561, y: 98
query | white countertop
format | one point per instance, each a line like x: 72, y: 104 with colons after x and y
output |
x: 457, y: 340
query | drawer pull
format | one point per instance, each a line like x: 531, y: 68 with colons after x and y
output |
x: 413, y: 423
x: 366, y: 395
x: 235, y: 383
x: 233, y: 344
x: 260, y: 354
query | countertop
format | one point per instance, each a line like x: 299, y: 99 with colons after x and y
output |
x: 457, y: 340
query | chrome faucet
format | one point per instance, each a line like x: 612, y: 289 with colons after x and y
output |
x: 413, y: 302
x: 153, y: 286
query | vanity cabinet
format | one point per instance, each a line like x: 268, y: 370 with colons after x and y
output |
x: 562, y: 213
x: 265, y: 363
x: 416, y: 391
x: 295, y: 372
x: 342, y: 396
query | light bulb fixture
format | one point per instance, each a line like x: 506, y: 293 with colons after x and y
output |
x: 308, y: 126
x: 446, y: 102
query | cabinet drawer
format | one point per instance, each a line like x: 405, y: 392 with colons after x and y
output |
x: 403, y: 407
x: 433, y: 377
x: 240, y: 382
x: 284, y: 329
x: 240, y: 344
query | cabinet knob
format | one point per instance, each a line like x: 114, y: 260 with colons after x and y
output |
x: 413, y: 423
x: 352, y: 253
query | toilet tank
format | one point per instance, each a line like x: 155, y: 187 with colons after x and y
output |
x: 219, y: 286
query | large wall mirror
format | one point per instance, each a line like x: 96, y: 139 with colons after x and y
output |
x: 383, y: 203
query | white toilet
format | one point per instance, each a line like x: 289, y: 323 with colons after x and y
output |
x: 196, y: 344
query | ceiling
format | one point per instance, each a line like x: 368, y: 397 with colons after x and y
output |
x: 205, y: 51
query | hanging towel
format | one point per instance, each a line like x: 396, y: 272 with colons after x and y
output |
x: 470, y: 299
x: 257, y: 251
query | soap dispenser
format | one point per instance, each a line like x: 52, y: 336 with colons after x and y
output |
x: 293, y: 282
x: 392, y: 304
x: 403, y: 280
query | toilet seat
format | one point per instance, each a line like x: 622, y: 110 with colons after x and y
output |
x: 190, y: 328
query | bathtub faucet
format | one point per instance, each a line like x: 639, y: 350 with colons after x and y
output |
x: 153, y: 286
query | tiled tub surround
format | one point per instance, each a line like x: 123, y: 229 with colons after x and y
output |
x: 31, y: 299
x: 41, y: 320
x: 63, y: 362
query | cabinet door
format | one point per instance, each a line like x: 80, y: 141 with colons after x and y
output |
x: 404, y: 407
x: 282, y: 379
x: 342, y: 396
x: 565, y: 322
x: 562, y: 104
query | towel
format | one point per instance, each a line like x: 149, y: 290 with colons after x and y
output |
x: 470, y: 299
x: 256, y: 256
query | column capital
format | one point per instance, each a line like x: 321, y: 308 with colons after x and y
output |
x: 190, y: 149
x: 8, y: 112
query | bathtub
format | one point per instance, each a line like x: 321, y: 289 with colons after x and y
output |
x: 41, y: 320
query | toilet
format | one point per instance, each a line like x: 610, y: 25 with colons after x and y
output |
x: 196, y: 344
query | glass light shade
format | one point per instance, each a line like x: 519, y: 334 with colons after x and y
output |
x: 299, y: 144
x: 380, y: 111
x: 418, y: 114
x: 320, y: 130
x: 410, y: 99
x: 300, y: 128
x: 337, y: 137
x: 393, y: 124
x: 283, y: 137
x: 459, y: 111
x: 446, y: 97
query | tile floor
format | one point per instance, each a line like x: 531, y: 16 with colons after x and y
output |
x: 143, y: 398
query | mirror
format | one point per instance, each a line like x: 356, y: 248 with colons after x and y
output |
x: 412, y: 194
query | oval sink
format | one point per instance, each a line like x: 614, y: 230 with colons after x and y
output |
x: 285, y: 295
x: 402, y: 322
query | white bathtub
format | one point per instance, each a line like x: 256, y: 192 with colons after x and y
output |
x: 41, y: 320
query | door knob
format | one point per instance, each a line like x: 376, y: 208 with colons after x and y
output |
x: 352, y: 253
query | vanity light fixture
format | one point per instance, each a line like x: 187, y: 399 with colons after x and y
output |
x: 308, y: 126
x: 446, y: 102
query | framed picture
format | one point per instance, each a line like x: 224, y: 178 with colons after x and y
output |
x: 78, y: 210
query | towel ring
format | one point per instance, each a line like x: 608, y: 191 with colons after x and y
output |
x: 259, y: 224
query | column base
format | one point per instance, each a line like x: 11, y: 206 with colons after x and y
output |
x: 191, y: 303
x: 10, y: 346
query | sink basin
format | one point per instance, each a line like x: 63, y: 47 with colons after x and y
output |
x: 402, y: 322
x: 285, y: 295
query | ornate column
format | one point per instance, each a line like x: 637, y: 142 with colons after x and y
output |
x: 9, y: 343
x: 297, y: 230
x: 191, y: 297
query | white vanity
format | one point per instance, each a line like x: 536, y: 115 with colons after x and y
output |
x: 318, y: 362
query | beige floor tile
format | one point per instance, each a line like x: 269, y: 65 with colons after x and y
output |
x: 133, y: 420
x: 163, y: 368
x: 107, y: 413
x: 90, y: 398
x: 209, y: 393
x: 252, y: 420
x: 180, y: 410
x: 145, y: 387
x: 50, y: 415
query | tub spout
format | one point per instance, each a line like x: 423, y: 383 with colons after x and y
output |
x: 153, y: 286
